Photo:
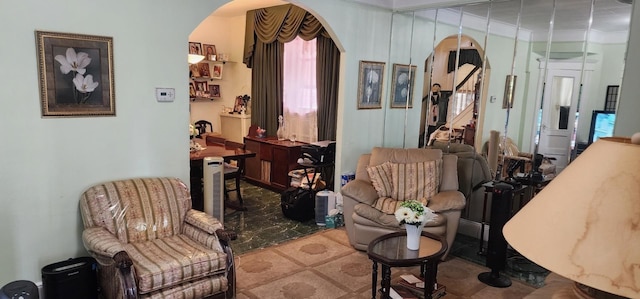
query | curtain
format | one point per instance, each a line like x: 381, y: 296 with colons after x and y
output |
x: 266, y: 86
x: 299, y: 101
x: 328, y: 72
x: 267, y: 26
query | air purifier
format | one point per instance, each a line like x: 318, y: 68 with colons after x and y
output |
x: 325, y: 202
x: 213, y: 176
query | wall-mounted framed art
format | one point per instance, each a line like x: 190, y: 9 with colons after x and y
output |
x: 76, y: 74
x: 402, y: 85
x: 370, y: 82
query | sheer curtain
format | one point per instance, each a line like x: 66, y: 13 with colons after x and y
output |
x: 299, y: 100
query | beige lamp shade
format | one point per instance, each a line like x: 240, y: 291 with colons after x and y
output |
x: 194, y: 58
x: 585, y: 225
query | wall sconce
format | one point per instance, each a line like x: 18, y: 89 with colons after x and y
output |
x: 194, y: 58
x: 509, y: 91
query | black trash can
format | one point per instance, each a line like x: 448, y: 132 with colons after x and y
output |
x: 70, y: 279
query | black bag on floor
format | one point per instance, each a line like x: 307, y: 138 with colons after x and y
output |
x: 298, y: 204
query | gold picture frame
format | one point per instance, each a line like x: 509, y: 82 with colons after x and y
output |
x: 76, y: 74
x: 401, y: 83
x: 370, y: 83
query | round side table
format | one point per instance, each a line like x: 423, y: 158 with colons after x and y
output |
x: 390, y: 250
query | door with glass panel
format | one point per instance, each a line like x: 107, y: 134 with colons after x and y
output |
x: 558, y: 116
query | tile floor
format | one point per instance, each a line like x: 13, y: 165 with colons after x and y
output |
x: 263, y: 225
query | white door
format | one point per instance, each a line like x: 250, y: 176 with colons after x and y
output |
x: 558, y: 119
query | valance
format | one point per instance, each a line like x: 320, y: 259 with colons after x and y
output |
x: 279, y: 23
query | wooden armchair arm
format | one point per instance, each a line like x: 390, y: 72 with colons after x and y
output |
x: 123, y: 266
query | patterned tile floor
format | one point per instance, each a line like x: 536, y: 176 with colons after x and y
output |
x: 263, y: 225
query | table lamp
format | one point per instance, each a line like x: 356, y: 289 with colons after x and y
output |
x: 585, y: 225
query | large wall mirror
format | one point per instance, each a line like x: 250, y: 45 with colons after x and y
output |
x: 566, y: 57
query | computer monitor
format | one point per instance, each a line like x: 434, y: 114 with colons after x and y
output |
x: 602, y: 123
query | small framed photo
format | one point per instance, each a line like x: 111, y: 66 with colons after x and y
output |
x: 203, y: 69
x: 402, y: 85
x: 195, y: 48
x: 214, y: 89
x: 194, y: 72
x: 210, y: 52
x: 192, y: 90
x: 202, y: 89
x: 217, y: 71
x: 370, y: 82
x: 76, y: 74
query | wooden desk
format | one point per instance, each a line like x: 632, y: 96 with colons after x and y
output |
x: 275, y: 158
x: 227, y: 153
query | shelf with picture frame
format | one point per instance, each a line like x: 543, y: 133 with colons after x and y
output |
x: 201, y: 90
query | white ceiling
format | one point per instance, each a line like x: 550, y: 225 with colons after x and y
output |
x: 609, y: 15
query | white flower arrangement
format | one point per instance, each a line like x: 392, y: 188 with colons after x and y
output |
x: 413, y: 212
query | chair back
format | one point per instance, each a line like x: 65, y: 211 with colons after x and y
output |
x: 201, y: 126
x: 139, y: 209
x: 379, y: 155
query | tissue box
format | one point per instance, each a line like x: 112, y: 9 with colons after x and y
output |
x: 330, y: 221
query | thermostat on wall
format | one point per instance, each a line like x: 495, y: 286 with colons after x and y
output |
x: 165, y: 94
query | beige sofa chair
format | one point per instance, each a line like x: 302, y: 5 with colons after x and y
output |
x: 149, y: 243
x: 473, y: 171
x: 364, y: 223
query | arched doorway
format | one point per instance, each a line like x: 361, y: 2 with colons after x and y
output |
x: 463, y: 110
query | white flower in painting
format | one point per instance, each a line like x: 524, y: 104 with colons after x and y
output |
x: 372, y: 77
x: 403, y: 78
x: 73, y: 62
x: 84, y: 84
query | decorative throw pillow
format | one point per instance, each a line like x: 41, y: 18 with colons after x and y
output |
x: 386, y: 205
x: 417, y: 181
x: 381, y: 179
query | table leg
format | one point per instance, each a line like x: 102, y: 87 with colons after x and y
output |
x: 386, y: 281
x: 374, y: 280
x: 429, y: 273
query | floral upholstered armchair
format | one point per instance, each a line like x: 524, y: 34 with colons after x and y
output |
x: 149, y: 243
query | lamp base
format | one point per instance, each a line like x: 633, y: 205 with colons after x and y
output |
x: 494, y: 279
x: 585, y: 292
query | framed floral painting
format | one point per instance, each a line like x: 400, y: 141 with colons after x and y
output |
x: 76, y: 74
x: 370, y: 84
x: 402, y: 86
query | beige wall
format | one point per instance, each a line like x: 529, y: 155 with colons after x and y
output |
x: 227, y: 34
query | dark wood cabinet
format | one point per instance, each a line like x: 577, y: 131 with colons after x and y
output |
x: 274, y: 159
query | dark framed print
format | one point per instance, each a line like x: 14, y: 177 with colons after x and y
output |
x: 370, y: 82
x: 209, y: 51
x: 76, y: 74
x: 195, y: 48
x: 214, y: 89
x: 402, y: 85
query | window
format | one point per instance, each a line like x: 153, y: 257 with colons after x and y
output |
x: 299, y: 100
x: 611, y: 99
